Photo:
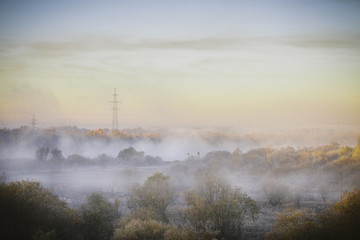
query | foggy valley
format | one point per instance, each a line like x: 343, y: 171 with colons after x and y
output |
x: 75, y: 163
x: 180, y: 120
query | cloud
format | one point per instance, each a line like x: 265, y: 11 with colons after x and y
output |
x: 84, y: 44
x: 89, y: 44
x: 330, y: 42
x: 198, y: 44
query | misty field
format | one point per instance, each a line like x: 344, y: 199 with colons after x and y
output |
x: 180, y: 120
x: 219, y: 194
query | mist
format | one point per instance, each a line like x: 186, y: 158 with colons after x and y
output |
x: 168, y: 143
x: 304, y: 168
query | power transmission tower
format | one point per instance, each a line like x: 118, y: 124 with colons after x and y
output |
x: 115, y: 109
x: 33, y: 122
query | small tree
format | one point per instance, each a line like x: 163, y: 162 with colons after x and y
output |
x: 294, y: 224
x: 99, y: 217
x: 275, y: 192
x: 141, y: 229
x: 57, y: 154
x: 42, y: 153
x: 324, y: 191
x: 183, y: 233
x: 154, y: 195
x: 218, y: 207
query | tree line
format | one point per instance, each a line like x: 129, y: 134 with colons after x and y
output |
x: 214, y: 210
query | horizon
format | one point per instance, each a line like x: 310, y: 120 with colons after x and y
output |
x: 183, y: 131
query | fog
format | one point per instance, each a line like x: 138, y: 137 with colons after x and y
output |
x: 277, y: 169
x: 169, y: 144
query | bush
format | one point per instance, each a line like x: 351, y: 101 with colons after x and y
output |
x: 275, y: 192
x: 140, y: 229
x: 294, y: 224
x: 217, y: 207
x: 341, y: 221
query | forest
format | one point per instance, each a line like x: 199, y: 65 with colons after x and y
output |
x: 268, y: 192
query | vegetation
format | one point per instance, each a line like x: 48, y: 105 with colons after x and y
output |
x: 99, y: 216
x: 340, y: 221
x: 141, y: 229
x: 155, y: 196
x: 30, y: 211
x: 295, y: 186
x: 213, y: 210
x: 275, y: 192
x: 217, y: 207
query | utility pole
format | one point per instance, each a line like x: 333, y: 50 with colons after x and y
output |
x: 33, y: 122
x: 115, y: 109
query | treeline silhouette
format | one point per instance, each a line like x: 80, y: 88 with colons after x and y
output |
x: 214, y: 210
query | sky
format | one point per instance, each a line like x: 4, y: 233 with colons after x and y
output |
x: 265, y: 63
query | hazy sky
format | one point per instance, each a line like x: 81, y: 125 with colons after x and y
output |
x: 182, y: 63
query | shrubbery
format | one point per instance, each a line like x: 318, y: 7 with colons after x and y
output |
x: 340, y: 221
x: 30, y: 211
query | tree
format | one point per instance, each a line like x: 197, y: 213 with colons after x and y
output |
x: 294, y: 224
x: 324, y: 191
x: 30, y: 211
x: 340, y: 221
x: 275, y: 192
x: 356, y: 153
x: 99, y: 216
x: 141, y: 229
x: 42, y: 153
x: 142, y: 225
x: 154, y: 195
x: 218, y: 207
x: 131, y: 156
x: 184, y: 233
x: 56, y: 155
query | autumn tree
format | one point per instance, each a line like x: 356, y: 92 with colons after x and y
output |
x: 154, y: 195
x: 99, y: 216
x: 220, y: 208
x: 140, y: 229
x: 30, y: 211
x: 340, y: 221
x: 142, y: 225
x: 294, y: 224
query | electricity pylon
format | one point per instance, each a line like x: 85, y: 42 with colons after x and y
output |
x: 115, y: 123
x: 33, y: 122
